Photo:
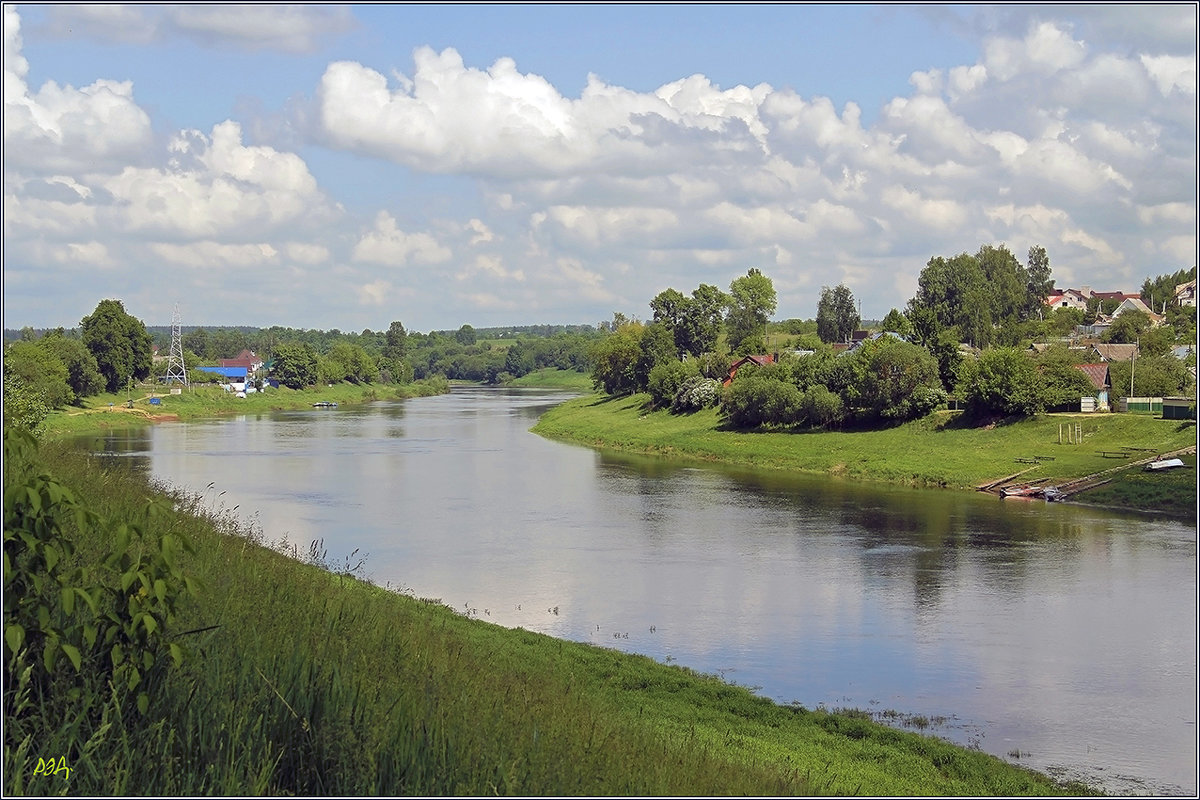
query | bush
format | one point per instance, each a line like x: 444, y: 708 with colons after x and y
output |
x: 696, y: 393
x: 760, y: 399
x: 665, y: 379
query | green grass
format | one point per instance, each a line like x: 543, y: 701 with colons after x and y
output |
x: 313, y: 682
x: 109, y: 410
x: 551, y: 378
x: 1170, y: 492
x: 939, y: 450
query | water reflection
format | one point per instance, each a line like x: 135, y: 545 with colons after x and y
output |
x: 1065, y: 632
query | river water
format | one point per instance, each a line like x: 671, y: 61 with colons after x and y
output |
x: 1059, y: 637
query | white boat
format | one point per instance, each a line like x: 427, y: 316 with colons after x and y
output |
x: 1165, y: 463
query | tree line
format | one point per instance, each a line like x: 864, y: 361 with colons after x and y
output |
x: 965, y: 334
x: 111, y: 349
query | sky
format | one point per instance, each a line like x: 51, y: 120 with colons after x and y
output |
x: 347, y: 166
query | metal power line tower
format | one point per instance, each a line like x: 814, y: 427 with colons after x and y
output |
x: 176, y: 369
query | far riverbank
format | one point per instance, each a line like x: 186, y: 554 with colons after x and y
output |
x: 938, y: 451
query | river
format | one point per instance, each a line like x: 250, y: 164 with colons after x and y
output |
x: 1059, y: 637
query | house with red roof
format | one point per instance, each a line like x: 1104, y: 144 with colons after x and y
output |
x: 760, y: 361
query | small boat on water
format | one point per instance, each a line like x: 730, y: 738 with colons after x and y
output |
x: 1165, y: 463
x: 325, y: 404
x: 1020, y: 491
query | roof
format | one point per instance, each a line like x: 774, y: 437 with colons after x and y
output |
x: 225, y: 372
x: 760, y: 360
x: 1097, y: 373
x: 1116, y: 352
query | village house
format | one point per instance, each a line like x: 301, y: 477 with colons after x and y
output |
x: 246, y: 359
x: 759, y: 360
x: 1185, y: 293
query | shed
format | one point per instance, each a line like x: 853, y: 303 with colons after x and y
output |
x: 1178, y: 408
x: 1098, y: 374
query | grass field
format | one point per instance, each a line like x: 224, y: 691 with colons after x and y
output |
x: 305, y: 680
x: 939, y: 450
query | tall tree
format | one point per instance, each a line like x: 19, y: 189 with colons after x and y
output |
x: 1040, y: 282
x: 701, y: 324
x: 119, y: 343
x: 837, y: 315
x: 83, y: 374
x: 751, y: 304
x: 670, y: 308
x: 396, y: 341
x: 295, y: 365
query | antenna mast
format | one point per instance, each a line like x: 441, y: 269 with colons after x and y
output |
x: 176, y: 369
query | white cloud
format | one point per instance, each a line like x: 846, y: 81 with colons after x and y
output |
x: 387, y: 244
x: 64, y: 129
x: 283, y: 27
x: 936, y: 213
x: 1046, y: 49
x: 1172, y: 73
x: 216, y: 255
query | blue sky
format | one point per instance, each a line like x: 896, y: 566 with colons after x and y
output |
x: 346, y: 166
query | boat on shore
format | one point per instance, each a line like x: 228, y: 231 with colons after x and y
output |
x: 325, y: 404
x: 1164, y: 463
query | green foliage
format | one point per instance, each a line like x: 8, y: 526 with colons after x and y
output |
x: 1004, y: 381
x: 24, y: 408
x: 899, y: 381
x: 83, y: 374
x: 898, y: 323
x: 1063, y: 384
x: 1153, y: 376
x: 465, y: 335
x: 40, y: 370
x: 837, y: 315
x: 695, y: 393
x: 295, y: 365
x: 1062, y: 321
x: 665, y: 379
x: 1126, y: 328
x: 656, y: 346
x: 119, y: 343
x: 758, y: 397
x: 109, y: 620
x: 614, y: 359
x: 751, y: 303
x: 1160, y: 290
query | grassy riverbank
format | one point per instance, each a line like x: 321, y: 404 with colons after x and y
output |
x: 111, y: 410
x: 939, y: 450
x: 309, y: 681
x: 550, y: 378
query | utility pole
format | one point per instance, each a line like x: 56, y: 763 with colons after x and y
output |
x: 176, y: 369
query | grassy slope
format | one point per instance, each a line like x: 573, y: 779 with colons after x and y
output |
x: 316, y: 683
x: 935, y: 451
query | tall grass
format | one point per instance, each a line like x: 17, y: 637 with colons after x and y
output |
x: 307, y: 681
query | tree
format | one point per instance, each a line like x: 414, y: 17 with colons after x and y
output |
x: 700, y: 326
x: 40, y: 371
x: 1005, y: 381
x: 1126, y: 328
x: 295, y: 365
x: 751, y: 304
x: 1039, y: 283
x: 83, y: 374
x: 615, y: 356
x: 1153, y: 376
x: 119, y: 343
x: 897, y: 323
x: 396, y: 346
x: 837, y: 316
x: 655, y: 347
x: 196, y: 340
x: 23, y: 407
x: 465, y: 335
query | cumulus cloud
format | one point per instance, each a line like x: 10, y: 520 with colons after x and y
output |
x: 387, y: 244
x: 64, y: 129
